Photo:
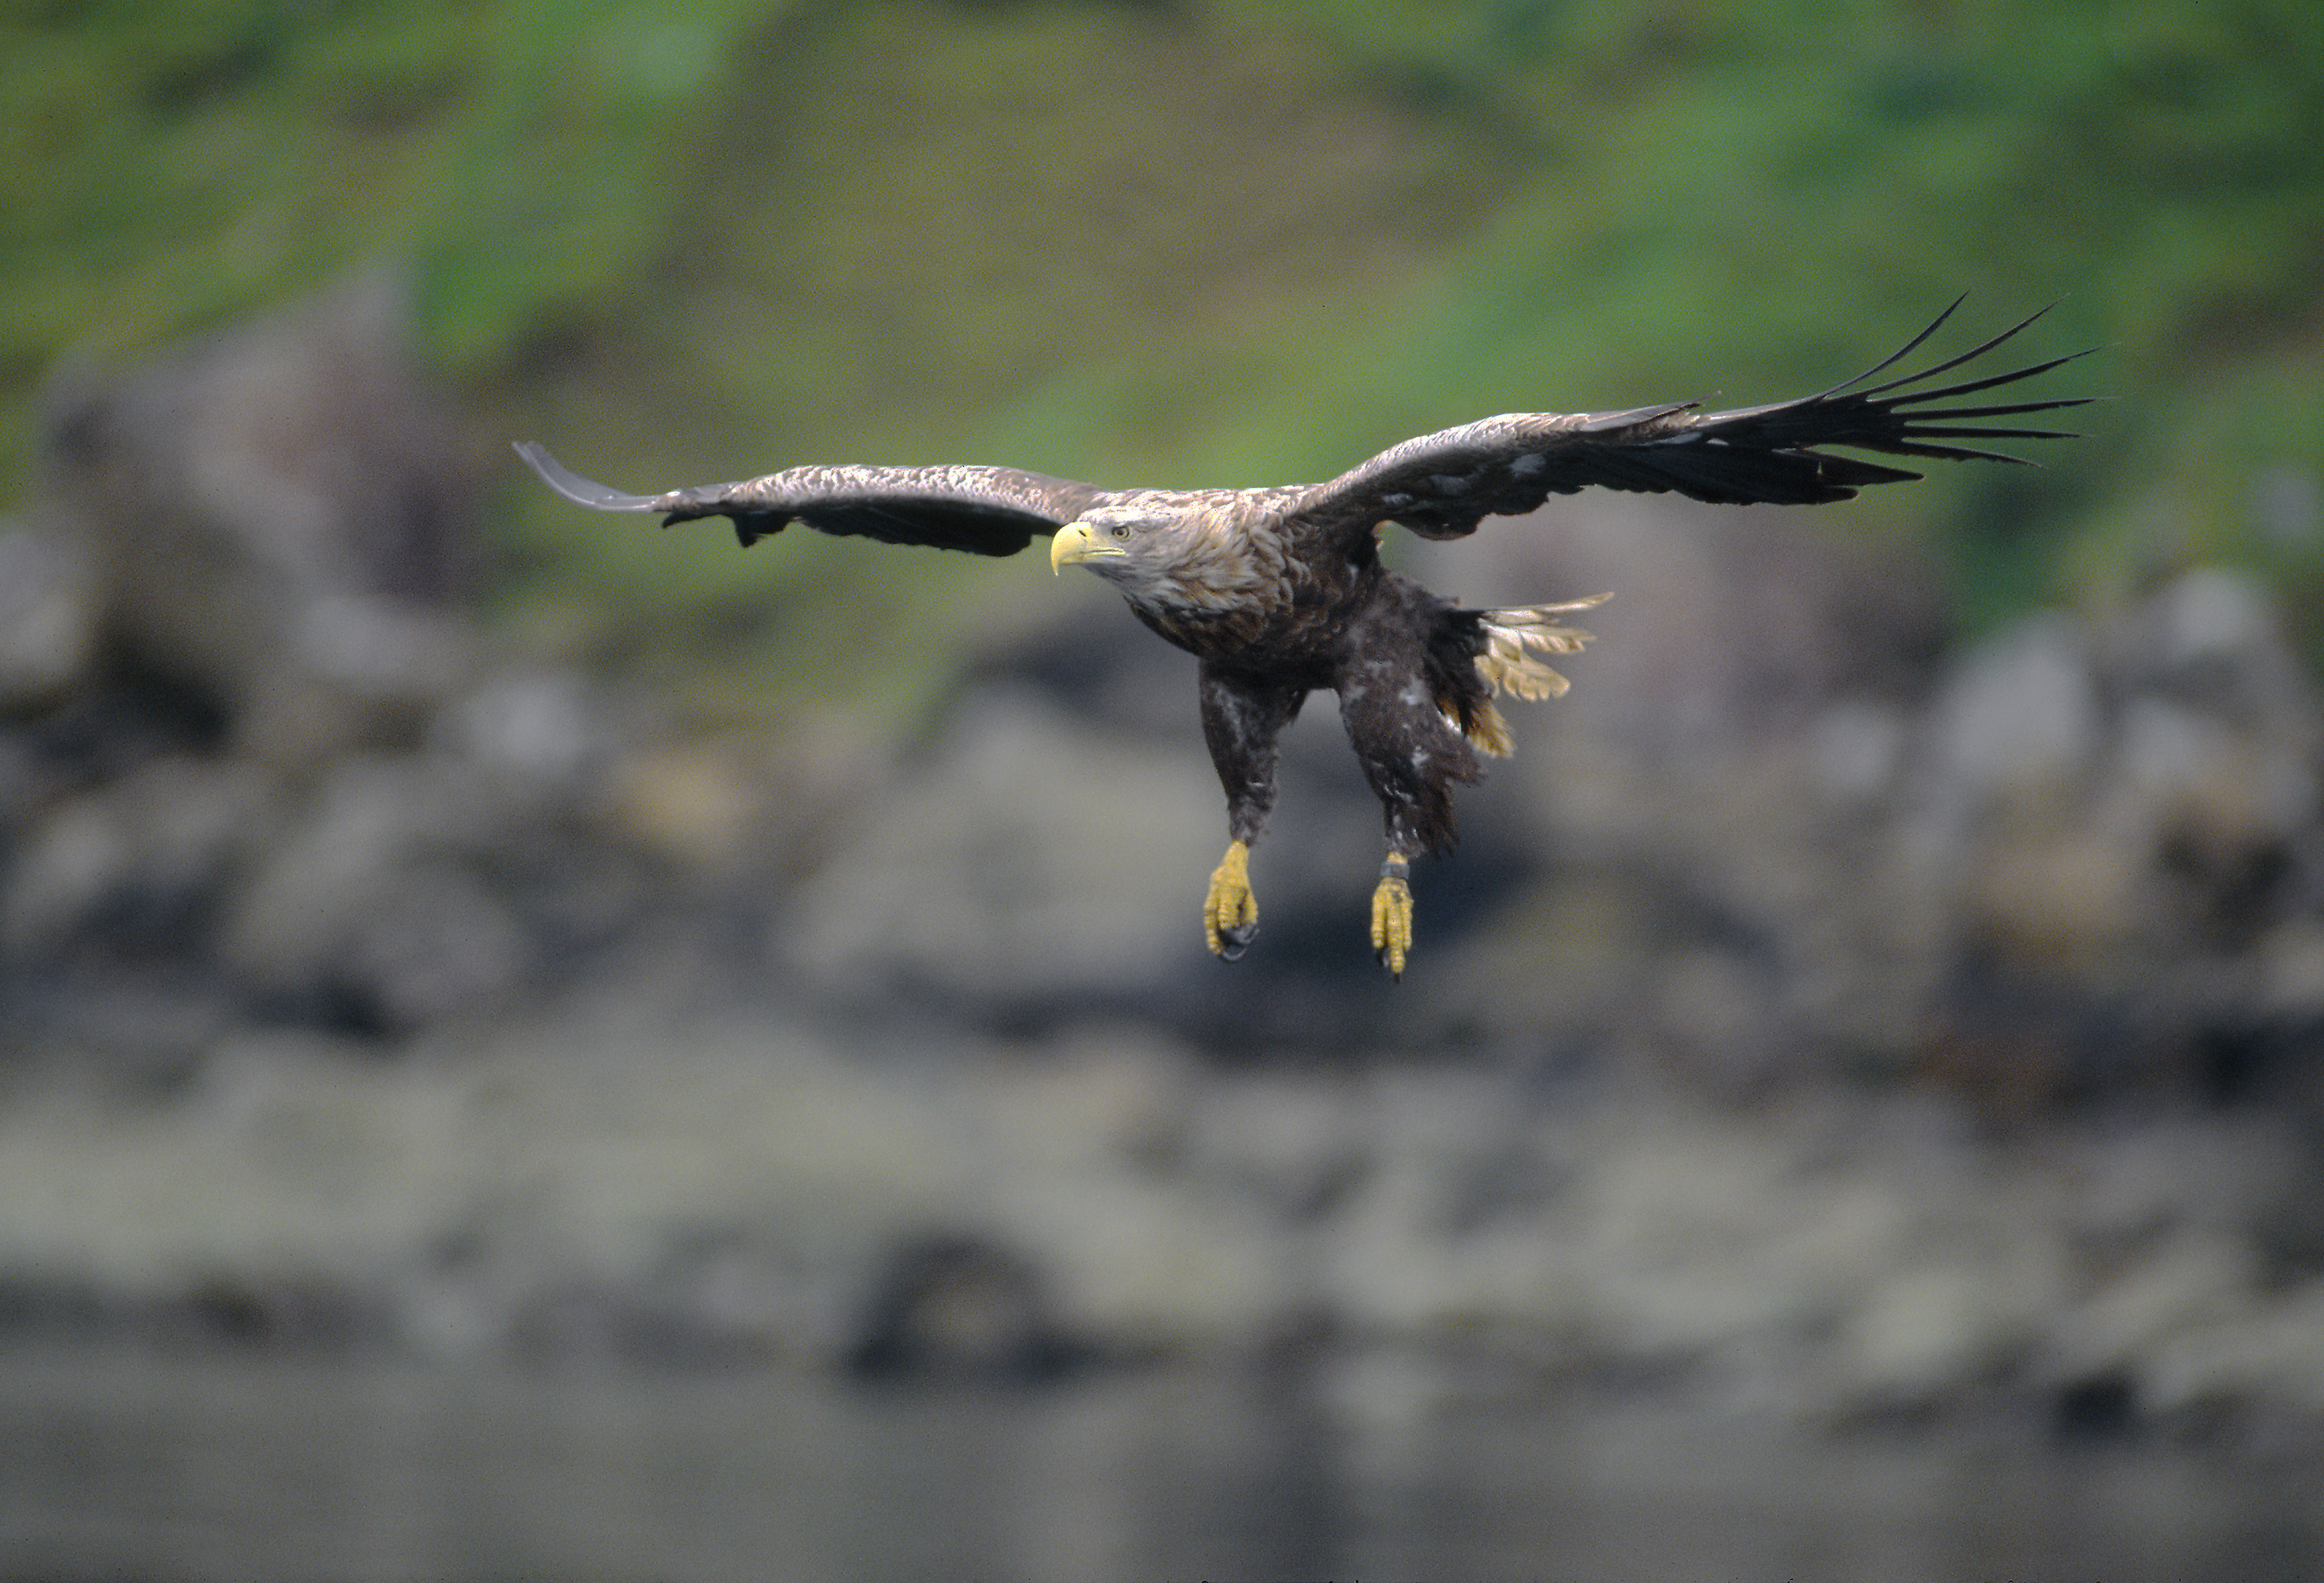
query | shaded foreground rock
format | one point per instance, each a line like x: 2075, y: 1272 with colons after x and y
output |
x: 771, y: 1191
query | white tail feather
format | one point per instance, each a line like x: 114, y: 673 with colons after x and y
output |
x: 1509, y: 633
x: 1507, y: 667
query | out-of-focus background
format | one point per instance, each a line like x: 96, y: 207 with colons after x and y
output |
x: 534, y: 1046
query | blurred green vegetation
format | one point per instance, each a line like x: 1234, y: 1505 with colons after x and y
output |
x: 1234, y: 242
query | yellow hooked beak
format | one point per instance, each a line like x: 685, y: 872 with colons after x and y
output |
x: 1076, y: 543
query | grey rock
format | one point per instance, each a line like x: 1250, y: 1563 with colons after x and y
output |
x: 2021, y: 709
x: 544, y: 726
x: 373, y: 892
x: 163, y: 844
x: 48, y: 618
x: 284, y: 515
x: 1021, y: 860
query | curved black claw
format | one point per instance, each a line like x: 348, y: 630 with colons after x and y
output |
x: 1233, y: 942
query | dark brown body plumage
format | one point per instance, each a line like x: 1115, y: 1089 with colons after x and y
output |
x: 1401, y: 660
x: 1403, y: 665
x: 1280, y: 592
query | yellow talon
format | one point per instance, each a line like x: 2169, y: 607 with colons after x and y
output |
x: 1231, y: 913
x: 1392, y: 923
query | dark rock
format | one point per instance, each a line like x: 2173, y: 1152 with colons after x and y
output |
x: 2101, y: 1407
x: 272, y: 1316
x: 958, y: 1308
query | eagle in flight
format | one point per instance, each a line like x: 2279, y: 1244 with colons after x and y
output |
x: 1279, y: 591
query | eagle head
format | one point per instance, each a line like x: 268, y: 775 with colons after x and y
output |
x: 1133, y: 544
x: 1170, y: 553
x: 1105, y: 534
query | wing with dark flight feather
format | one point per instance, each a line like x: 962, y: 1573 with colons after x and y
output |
x: 985, y: 511
x: 1441, y: 486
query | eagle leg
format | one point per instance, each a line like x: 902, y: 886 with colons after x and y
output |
x: 1231, y: 913
x: 1392, y: 914
x: 1243, y: 715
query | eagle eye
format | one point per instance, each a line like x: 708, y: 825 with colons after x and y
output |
x: 1121, y: 530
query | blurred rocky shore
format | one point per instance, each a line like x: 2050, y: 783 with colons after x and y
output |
x: 1821, y: 1012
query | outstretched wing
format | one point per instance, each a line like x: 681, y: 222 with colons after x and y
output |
x: 1441, y: 486
x: 986, y: 511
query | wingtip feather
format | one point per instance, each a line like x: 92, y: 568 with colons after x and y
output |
x: 576, y: 488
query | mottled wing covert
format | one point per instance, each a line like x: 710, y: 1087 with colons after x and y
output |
x: 985, y: 511
x: 1441, y: 486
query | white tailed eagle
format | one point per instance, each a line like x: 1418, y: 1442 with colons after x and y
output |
x: 1279, y: 591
